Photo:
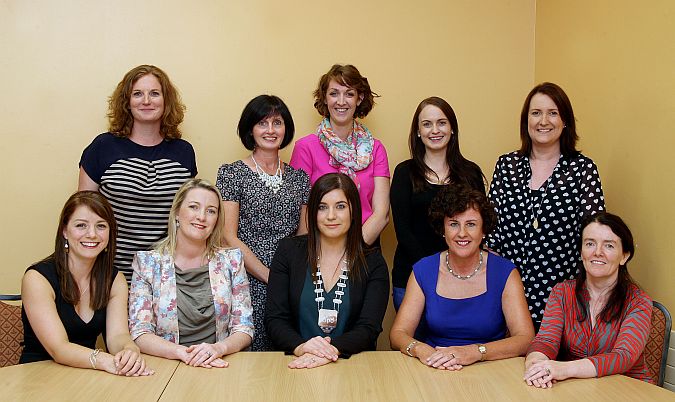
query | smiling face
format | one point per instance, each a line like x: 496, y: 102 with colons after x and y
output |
x: 197, y: 215
x: 601, y: 252
x: 341, y: 102
x: 434, y: 128
x: 334, y: 215
x: 87, y: 234
x: 543, y: 121
x: 147, y: 100
x: 269, y: 132
x: 464, y: 233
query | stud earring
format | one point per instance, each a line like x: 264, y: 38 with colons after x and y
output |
x: 65, y: 245
x: 177, y: 223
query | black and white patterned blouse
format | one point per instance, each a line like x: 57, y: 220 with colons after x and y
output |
x: 264, y: 219
x: 539, y: 229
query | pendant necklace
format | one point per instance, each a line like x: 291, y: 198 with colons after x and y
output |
x: 536, y: 210
x: 447, y: 263
x: 273, y: 182
x: 328, y: 317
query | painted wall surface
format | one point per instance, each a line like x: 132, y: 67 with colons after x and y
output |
x: 616, y: 60
x: 61, y: 60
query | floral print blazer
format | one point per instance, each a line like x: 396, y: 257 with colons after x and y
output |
x: 152, y: 298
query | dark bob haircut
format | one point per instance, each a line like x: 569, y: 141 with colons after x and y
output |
x: 349, y: 76
x: 456, y: 198
x: 569, y: 137
x: 259, y: 108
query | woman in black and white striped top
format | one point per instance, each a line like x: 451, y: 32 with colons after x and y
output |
x: 140, y: 164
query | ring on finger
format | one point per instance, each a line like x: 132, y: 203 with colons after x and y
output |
x: 548, y: 371
x: 313, y: 360
x: 453, y: 355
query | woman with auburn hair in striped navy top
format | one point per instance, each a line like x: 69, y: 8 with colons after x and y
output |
x: 597, y: 324
x: 140, y: 164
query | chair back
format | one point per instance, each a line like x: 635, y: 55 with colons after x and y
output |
x: 11, y: 331
x: 656, y: 349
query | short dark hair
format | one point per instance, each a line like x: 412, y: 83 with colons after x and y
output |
x: 101, y: 277
x: 456, y: 198
x: 261, y: 107
x: 355, y: 246
x: 569, y: 136
x: 616, y: 300
x: 349, y: 76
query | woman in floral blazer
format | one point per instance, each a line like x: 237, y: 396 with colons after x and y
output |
x: 189, y: 298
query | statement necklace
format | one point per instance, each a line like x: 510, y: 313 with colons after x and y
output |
x: 328, y: 317
x: 273, y: 182
x: 447, y: 263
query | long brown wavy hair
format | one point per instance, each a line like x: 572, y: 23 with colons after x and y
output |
x: 101, y: 277
x: 119, y: 115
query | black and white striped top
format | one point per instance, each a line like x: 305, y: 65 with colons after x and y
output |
x: 140, y: 183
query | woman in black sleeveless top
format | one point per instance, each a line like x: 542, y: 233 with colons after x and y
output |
x: 75, y: 294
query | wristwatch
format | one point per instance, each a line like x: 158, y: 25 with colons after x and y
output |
x: 483, y: 352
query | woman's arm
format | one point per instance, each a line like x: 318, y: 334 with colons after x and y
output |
x: 406, y: 322
x: 368, y: 324
x: 38, y: 303
x: 85, y: 182
x: 401, y: 209
x: 240, y: 324
x: 302, y: 225
x: 119, y: 343
x: 253, y: 265
x: 279, y: 319
x: 374, y: 225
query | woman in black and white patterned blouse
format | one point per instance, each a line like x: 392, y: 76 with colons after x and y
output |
x: 541, y: 193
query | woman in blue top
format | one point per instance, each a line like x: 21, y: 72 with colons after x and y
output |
x: 470, y: 297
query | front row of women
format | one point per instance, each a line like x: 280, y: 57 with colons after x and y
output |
x: 328, y: 293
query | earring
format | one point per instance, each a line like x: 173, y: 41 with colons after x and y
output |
x: 419, y: 135
x: 105, y: 250
x: 177, y: 223
x: 65, y: 245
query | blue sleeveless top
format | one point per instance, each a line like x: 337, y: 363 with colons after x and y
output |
x: 457, y: 322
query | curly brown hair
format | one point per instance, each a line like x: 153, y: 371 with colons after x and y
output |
x: 456, y: 198
x: 119, y: 115
x: 349, y: 76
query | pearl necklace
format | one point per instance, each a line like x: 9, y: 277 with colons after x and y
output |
x: 273, y: 182
x: 447, y: 263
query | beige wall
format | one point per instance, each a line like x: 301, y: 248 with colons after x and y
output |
x: 61, y: 60
x: 616, y: 60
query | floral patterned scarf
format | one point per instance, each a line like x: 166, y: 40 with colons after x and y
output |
x: 349, y: 156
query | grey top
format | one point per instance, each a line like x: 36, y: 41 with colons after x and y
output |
x: 194, y: 301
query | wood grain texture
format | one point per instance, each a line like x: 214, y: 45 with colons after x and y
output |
x: 47, y: 380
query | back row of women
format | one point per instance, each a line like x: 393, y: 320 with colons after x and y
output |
x: 540, y: 194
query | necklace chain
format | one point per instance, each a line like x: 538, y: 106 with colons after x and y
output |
x: 273, y: 182
x: 341, y: 284
x: 447, y: 263
x: 536, y: 211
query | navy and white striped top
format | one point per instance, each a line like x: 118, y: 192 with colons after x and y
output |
x: 140, y: 183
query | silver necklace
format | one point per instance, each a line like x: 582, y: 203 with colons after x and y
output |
x: 447, y: 263
x: 327, y: 320
x: 273, y: 182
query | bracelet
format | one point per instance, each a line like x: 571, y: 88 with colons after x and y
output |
x: 409, y: 348
x: 92, y: 357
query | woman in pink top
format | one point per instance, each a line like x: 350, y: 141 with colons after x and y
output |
x: 343, y: 144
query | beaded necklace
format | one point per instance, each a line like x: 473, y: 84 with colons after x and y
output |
x: 273, y: 182
x: 328, y: 317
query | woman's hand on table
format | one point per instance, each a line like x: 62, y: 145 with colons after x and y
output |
x: 452, y: 357
x: 308, y: 360
x: 318, y: 346
x: 545, y: 373
x: 130, y: 363
x: 204, y: 355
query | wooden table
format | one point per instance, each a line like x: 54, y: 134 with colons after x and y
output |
x: 263, y: 376
x: 49, y: 381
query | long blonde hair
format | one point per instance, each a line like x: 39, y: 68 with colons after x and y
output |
x: 214, y: 242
